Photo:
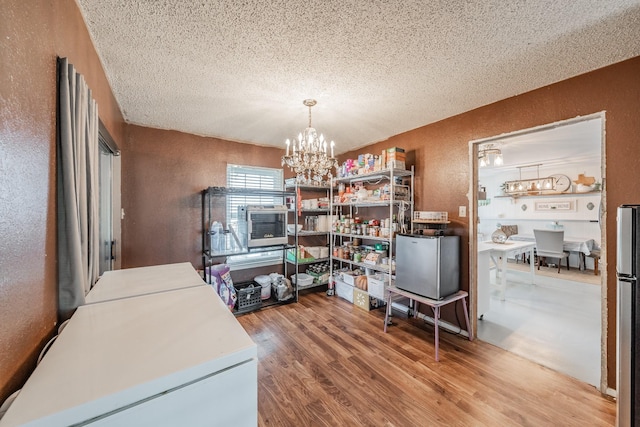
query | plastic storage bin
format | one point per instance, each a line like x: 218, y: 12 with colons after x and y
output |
x: 248, y: 297
x: 344, y: 290
x: 377, y: 286
x: 302, y: 280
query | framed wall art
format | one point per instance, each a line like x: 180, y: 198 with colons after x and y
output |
x: 564, y: 206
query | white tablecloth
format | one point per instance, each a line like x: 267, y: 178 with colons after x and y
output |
x: 571, y: 243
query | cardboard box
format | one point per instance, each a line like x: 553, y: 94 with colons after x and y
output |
x: 396, y: 156
x: 363, y: 300
x: 396, y: 164
x: 395, y: 150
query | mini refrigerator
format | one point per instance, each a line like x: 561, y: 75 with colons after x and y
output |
x: 428, y: 266
x: 628, y: 316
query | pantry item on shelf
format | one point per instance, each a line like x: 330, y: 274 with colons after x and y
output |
x: 585, y: 180
x: 361, y: 282
x: 324, y: 252
x: 218, y: 238
x: 283, y: 289
x: 264, y: 281
x: 302, y: 279
x: 362, y: 194
x: 314, y: 251
x: 311, y: 223
x: 291, y: 228
x: 223, y: 284
x: 322, y: 223
x: 582, y: 188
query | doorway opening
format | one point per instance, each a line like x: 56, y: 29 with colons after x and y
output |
x: 553, y: 318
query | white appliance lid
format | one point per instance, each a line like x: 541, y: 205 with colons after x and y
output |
x: 120, y: 352
x: 143, y: 280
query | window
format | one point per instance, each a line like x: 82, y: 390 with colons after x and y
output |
x: 251, y: 177
x: 259, y: 178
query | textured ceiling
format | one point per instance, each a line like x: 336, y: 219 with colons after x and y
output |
x: 239, y: 70
x: 576, y: 141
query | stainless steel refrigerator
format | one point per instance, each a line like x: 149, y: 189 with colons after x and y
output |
x: 628, y: 316
x: 428, y: 265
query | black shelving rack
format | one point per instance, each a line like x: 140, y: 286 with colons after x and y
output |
x: 214, y: 200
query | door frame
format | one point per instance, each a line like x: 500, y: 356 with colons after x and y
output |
x: 473, y: 233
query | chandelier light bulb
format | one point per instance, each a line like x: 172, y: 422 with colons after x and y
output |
x: 489, y: 154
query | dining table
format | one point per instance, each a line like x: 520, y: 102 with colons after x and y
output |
x: 498, y: 253
x: 581, y: 245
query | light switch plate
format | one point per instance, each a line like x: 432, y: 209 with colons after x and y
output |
x: 462, y: 211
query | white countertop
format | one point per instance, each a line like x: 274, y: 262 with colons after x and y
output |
x: 120, y: 352
x: 143, y: 280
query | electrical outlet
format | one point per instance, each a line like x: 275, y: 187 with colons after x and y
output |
x: 462, y: 211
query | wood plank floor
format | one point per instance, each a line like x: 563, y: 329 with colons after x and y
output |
x: 324, y: 362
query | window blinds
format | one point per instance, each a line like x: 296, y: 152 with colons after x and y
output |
x: 251, y: 177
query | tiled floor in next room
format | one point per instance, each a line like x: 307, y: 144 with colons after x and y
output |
x: 555, y: 323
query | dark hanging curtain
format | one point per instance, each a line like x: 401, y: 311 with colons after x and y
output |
x: 77, y: 189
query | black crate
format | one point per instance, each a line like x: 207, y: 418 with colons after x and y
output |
x: 248, y: 297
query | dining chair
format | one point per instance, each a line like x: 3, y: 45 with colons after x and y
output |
x: 549, y: 243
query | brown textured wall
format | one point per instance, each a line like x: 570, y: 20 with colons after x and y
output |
x: 164, y: 173
x: 440, y: 153
x: 32, y: 34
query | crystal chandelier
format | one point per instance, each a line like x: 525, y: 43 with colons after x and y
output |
x: 307, y: 155
x: 489, y: 155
